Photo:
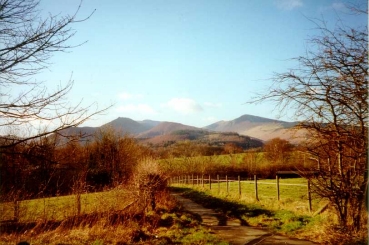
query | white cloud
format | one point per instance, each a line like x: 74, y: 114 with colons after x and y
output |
x: 213, y: 105
x: 288, y: 4
x: 183, y: 105
x: 128, y: 96
x: 139, y: 108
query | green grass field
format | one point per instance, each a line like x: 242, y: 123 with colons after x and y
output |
x: 167, y: 225
x: 293, y: 193
x: 58, y: 208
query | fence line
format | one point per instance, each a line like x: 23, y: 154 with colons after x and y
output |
x: 206, y: 179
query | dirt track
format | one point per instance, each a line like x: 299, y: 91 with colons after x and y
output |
x: 232, y: 230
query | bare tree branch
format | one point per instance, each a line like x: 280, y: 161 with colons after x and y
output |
x: 27, y: 42
x: 329, y: 91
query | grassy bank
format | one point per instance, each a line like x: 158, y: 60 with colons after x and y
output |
x: 61, y: 207
x: 105, y: 218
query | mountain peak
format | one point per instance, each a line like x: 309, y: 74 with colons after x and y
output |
x: 255, y: 126
x: 248, y: 125
x: 254, y: 119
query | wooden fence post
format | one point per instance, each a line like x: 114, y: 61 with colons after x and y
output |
x: 277, y: 181
x: 202, y: 181
x: 227, y: 184
x: 197, y: 180
x: 256, y: 187
x: 77, y: 201
x: 16, y: 211
x: 193, y: 181
x: 209, y: 182
x: 218, y: 183
x: 239, y: 186
x: 309, y: 195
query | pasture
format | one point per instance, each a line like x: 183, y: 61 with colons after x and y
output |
x: 61, y: 207
x: 290, y: 193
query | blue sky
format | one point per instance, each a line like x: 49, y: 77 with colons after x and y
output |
x: 191, y: 61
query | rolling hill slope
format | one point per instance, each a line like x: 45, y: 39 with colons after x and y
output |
x: 259, y: 127
x: 158, y: 132
x: 129, y: 126
x: 165, y: 128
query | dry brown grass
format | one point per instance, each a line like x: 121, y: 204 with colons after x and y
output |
x: 134, y: 222
x: 115, y: 227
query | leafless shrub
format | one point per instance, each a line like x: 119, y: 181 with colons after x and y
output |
x: 148, y: 180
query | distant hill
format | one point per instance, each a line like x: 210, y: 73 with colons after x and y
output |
x: 258, y: 127
x: 248, y: 128
x: 203, y: 137
x: 165, y: 128
x: 83, y: 131
x: 129, y: 126
x: 149, y: 123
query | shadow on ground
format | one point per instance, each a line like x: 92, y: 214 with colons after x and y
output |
x: 227, y: 219
x: 224, y: 208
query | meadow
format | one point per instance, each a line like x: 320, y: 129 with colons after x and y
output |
x: 293, y: 192
x: 106, y: 218
x: 61, y: 207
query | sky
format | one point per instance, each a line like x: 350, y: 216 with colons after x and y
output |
x: 194, y: 62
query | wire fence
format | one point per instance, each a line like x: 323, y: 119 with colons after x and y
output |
x: 61, y: 207
x: 294, y: 189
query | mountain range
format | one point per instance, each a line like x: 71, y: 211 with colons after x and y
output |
x: 155, y: 132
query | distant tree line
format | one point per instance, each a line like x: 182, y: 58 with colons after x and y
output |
x: 276, y: 155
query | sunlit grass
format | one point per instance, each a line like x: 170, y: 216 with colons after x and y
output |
x: 169, y: 224
x: 293, y: 192
x: 61, y: 207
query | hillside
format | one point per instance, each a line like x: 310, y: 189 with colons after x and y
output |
x: 203, y: 137
x: 156, y: 132
x: 165, y: 128
x: 127, y: 125
x: 258, y: 127
x: 82, y: 131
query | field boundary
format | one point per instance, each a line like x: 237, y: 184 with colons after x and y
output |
x: 207, y: 182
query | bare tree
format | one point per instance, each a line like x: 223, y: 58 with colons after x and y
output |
x: 329, y: 91
x: 27, y: 42
x: 278, y: 150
